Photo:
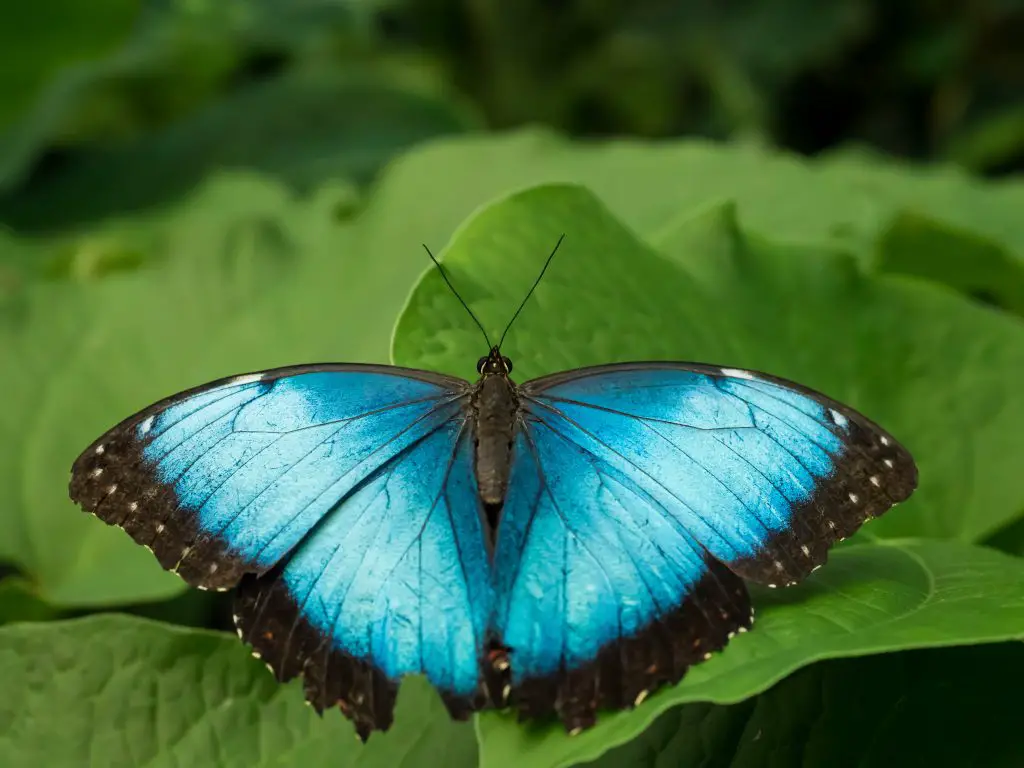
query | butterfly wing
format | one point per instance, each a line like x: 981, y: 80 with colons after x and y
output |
x: 331, y: 490
x: 394, y: 581
x: 641, y: 493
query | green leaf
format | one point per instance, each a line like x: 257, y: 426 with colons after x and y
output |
x: 931, y: 707
x: 314, y: 126
x: 844, y: 201
x: 239, y: 277
x: 869, y: 599
x: 975, y: 266
x: 939, y: 372
x: 18, y: 602
x: 118, y: 691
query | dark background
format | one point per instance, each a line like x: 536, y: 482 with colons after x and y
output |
x: 117, y: 105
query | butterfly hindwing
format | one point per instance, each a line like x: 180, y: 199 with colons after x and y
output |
x: 224, y: 479
x: 601, y: 596
x: 393, y: 581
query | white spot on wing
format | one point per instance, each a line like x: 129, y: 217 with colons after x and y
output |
x: 96, y: 472
x: 99, y: 450
x: 160, y: 528
x: 640, y: 698
x: 147, y: 425
x: 736, y: 373
x: 838, y: 419
x: 806, y: 550
x: 111, y: 488
x: 887, y: 462
x: 884, y: 440
x: 875, y: 481
x: 707, y: 656
x: 134, y: 506
x: 249, y: 378
x: 854, y: 498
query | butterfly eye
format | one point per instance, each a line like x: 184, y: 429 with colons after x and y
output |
x: 508, y: 364
x: 481, y: 364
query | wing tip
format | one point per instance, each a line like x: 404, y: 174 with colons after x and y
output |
x: 873, y: 474
x: 112, y: 481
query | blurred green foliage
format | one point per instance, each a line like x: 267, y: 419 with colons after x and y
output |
x: 195, y: 188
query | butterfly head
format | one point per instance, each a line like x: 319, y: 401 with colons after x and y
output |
x: 495, y: 364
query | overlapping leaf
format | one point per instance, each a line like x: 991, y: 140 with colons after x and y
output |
x: 849, y: 200
x: 118, y: 691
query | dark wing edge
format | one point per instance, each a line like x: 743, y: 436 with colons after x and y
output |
x: 626, y: 670
x: 872, y: 474
x: 268, y: 618
x: 111, y: 480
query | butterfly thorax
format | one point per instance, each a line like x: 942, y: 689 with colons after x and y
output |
x: 495, y: 407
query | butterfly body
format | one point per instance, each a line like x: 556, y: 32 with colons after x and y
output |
x: 495, y: 407
x: 560, y: 546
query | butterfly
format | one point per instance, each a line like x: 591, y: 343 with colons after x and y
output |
x: 560, y: 546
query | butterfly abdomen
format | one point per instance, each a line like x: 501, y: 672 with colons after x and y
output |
x: 495, y: 405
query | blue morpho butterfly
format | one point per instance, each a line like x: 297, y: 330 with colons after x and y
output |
x: 560, y: 546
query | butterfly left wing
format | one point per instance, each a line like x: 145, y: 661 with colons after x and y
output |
x: 641, y: 494
x: 342, y: 496
x: 394, y: 581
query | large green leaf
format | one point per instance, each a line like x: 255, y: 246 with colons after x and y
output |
x: 954, y: 706
x: 848, y: 201
x: 239, y: 277
x: 118, y: 691
x: 936, y: 370
x: 869, y: 599
x: 889, y: 346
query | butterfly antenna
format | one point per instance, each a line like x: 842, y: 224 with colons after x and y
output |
x: 452, y: 287
x: 530, y: 293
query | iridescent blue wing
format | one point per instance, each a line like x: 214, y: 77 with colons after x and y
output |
x: 329, y: 492
x: 641, y: 494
